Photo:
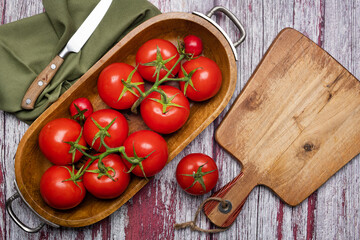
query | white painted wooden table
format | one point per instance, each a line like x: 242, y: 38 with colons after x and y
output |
x: 332, y: 212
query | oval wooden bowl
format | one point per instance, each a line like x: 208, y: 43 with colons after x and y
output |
x: 30, y: 163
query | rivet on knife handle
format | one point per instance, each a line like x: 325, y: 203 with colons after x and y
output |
x: 76, y: 42
x: 39, y: 84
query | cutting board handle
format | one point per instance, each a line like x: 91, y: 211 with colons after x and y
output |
x: 235, y: 194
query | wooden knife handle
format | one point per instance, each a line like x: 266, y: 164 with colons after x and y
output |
x: 39, y: 84
x: 235, y: 193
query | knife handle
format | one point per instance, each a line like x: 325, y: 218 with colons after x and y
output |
x: 40, y: 82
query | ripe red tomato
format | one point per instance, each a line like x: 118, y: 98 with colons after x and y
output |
x: 58, y: 193
x: 82, y: 104
x: 197, y: 173
x: 207, y: 79
x: 147, y: 53
x: 118, y: 130
x: 104, y: 187
x: 176, y: 112
x: 111, y: 89
x: 193, y: 45
x: 53, y: 137
x: 146, y: 143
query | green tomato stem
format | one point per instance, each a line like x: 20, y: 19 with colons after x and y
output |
x: 184, y: 79
x: 85, y: 153
x: 100, y: 157
x: 165, y: 78
x: 156, y: 85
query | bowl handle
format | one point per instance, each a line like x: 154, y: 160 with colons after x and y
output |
x: 8, y: 206
x: 233, y: 18
x: 24, y: 227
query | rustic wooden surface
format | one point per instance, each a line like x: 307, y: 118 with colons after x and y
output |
x: 332, y: 212
x: 311, y: 105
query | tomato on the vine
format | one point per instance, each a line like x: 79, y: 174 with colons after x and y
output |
x: 58, y: 191
x: 112, y: 127
x: 149, y: 146
x: 193, y: 45
x: 81, y: 108
x: 150, y: 60
x: 101, y: 185
x: 113, y: 91
x: 206, y: 79
x: 165, y: 115
x: 54, y: 139
x: 197, y: 173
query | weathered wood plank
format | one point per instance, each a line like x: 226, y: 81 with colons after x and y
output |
x: 17, y: 9
x: 13, y: 131
x: 338, y: 200
x: 3, y: 215
x: 351, y: 202
x: 2, y: 11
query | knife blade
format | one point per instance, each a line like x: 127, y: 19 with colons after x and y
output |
x: 75, y: 44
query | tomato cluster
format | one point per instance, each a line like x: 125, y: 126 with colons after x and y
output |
x: 102, y: 136
x: 164, y: 108
x: 106, y: 174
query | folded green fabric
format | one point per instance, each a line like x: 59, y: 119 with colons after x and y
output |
x: 28, y: 45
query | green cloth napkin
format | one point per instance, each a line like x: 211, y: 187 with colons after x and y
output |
x: 28, y: 45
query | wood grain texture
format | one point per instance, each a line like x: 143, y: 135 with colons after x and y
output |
x: 311, y: 106
x: 40, y: 83
x: 333, y: 212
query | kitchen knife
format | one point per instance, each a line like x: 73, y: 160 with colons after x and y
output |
x: 76, y: 42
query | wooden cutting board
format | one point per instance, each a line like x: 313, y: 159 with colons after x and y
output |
x: 294, y: 125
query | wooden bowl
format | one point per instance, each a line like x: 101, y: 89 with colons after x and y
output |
x: 30, y: 163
